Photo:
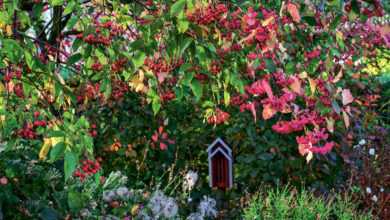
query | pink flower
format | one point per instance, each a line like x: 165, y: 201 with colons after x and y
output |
x: 3, y: 180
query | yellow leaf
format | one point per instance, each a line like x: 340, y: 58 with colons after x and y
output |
x: 313, y: 85
x: 338, y: 77
x: 346, y: 119
x: 268, y: 112
x: 137, y: 83
x: 45, y: 148
x: 2, y: 88
x: 309, y: 156
x: 267, y: 21
x: 8, y: 30
x: 339, y: 35
x: 330, y: 124
x: 303, y: 75
x: 296, y: 86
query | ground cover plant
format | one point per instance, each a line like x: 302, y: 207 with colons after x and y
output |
x: 107, y: 106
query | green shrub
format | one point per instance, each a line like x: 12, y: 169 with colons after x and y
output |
x: 289, y: 204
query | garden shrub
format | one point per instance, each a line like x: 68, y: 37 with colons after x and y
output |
x: 285, y: 203
x: 89, y: 88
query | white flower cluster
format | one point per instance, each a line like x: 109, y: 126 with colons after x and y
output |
x: 121, y: 193
x: 114, y: 180
x: 206, y: 208
x: 190, y: 180
x: 162, y: 205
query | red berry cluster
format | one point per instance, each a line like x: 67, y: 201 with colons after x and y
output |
x: 97, y: 66
x: 119, y: 88
x: 15, y: 74
x: 215, y: 67
x: 88, y: 168
x: 118, y: 65
x: 161, y: 65
x: 28, y: 131
x: 201, y: 77
x: 218, y: 118
x: 93, y: 131
x: 114, y: 28
x: 18, y: 90
x: 96, y: 39
x: 90, y: 91
x: 167, y: 96
x: 207, y: 15
x: 312, y: 54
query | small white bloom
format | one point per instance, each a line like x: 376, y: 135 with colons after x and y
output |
x: 374, y: 198
x: 382, y: 189
x: 190, y: 180
x: 195, y: 216
x: 156, y: 203
x: 368, y: 190
x: 108, y: 196
x: 207, y: 207
x: 371, y: 151
x: 122, y: 192
x: 144, y: 216
x: 170, y: 208
x: 85, y: 213
x: 362, y: 142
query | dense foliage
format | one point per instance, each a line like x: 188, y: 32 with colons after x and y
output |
x: 92, y: 87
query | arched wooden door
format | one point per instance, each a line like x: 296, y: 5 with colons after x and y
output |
x: 220, y: 171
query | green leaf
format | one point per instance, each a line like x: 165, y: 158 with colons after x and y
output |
x: 74, y: 59
x: 69, y: 7
x: 49, y: 214
x: 56, y: 2
x: 196, y: 87
x: 106, y: 88
x: 226, y: 97
x: 29, y: 59
x: 355, y: 6
x: 182, y: 25
x: 57, y: 151
x: 101, y: 57
x: 70, y: 163
x: 310, y: 20
x: 335, y: 22
x: 138, y: 59
x: 13, y: 50
x: 24, y: 18
x: 201, y: 55
x: 75, y: 201
x: 178, y: 7
x: 184, y: 45
x: 72, y: 22
x: 270, y: 65
x: 156, y: 105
